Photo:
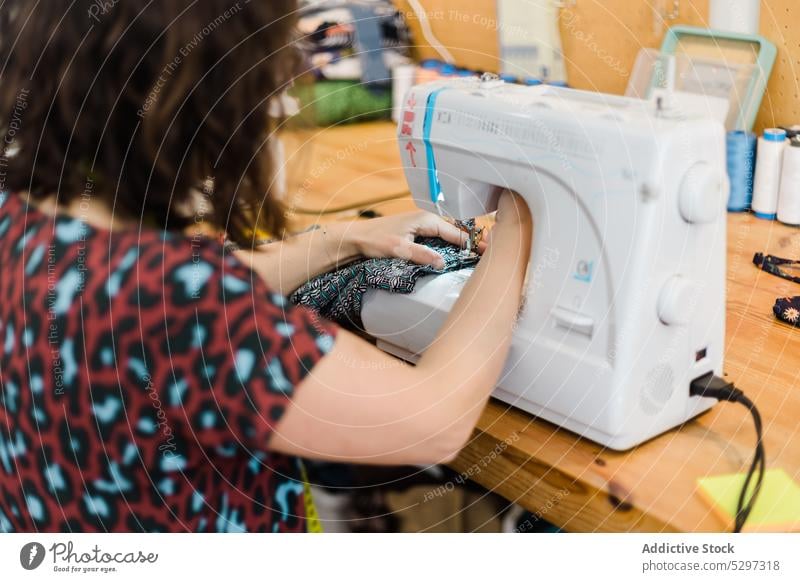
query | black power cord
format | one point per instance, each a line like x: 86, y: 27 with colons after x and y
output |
x: 711, y: 386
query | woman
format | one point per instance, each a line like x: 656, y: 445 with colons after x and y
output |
x: 150, y: 382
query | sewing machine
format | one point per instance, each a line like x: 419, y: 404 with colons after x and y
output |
x: 625, y: 301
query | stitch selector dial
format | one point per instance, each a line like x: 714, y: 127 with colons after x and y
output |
x: 677, y: 301
x: 700, y: 198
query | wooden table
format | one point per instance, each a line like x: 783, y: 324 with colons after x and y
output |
x: 569, y: 481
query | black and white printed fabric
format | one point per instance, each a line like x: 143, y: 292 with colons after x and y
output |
x: 338, y: 295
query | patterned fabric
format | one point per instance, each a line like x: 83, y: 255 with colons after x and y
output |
x: 783, y: 268
x: 338, y: 295
x: 787, y: 309
x: 141, y: 376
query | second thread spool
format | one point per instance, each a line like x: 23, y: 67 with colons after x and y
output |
x: 768, y: 173
x: 789, y: 198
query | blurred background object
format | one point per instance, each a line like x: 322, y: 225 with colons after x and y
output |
x: 350, y: 49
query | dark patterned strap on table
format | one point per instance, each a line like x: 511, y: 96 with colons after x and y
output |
x: 783, y: 268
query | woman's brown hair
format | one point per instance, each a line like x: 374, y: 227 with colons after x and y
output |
x: 140, y: 102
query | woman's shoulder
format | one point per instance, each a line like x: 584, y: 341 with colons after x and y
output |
x: 130, y: 264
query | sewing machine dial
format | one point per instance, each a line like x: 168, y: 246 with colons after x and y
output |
x: 676, y: 300
x: 701, y: 194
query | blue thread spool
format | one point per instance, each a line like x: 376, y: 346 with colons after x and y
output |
x: 448, y: 70
x: 431, y: 64
x: 741, y: 151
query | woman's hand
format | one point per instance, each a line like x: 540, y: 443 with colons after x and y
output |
x: 393, y: 236
x: 359, y: 405
x: 288, y: 264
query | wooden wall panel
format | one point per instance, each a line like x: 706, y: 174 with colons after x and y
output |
x: 780, y: 20
x: 601, y: 39
x: 463, y: 26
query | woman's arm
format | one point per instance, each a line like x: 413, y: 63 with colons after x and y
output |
x: 287, y: 265
x: 359, y: 404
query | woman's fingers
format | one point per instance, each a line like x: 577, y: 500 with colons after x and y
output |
x: 448, y: 232
x: 436, y: 226
x: 423, y: 255
x: 428, y: 225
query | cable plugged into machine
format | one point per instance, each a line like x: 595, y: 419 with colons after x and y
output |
x: 711, y: 386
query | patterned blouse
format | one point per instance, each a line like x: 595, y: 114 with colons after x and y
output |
x: 141, y: 375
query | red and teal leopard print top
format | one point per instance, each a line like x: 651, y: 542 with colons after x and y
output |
x: 141, y: 375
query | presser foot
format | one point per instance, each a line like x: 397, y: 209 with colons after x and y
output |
x: 474, y: 237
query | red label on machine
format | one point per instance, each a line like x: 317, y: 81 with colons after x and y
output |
x: 411, y: 151
x: 408, y: 115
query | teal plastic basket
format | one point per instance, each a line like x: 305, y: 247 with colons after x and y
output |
x: 765, y: 59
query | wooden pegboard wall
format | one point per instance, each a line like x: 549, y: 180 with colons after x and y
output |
x: 780, y: 22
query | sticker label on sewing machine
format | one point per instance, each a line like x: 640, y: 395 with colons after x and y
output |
x: 408, y: 115
x: 530, y: 132
x: 584, y: 271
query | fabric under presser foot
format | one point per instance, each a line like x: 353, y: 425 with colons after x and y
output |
x: 339, y: 295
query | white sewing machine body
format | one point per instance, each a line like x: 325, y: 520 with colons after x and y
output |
x: 625, y: 300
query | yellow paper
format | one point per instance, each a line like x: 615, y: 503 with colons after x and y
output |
x: 776, y: 509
